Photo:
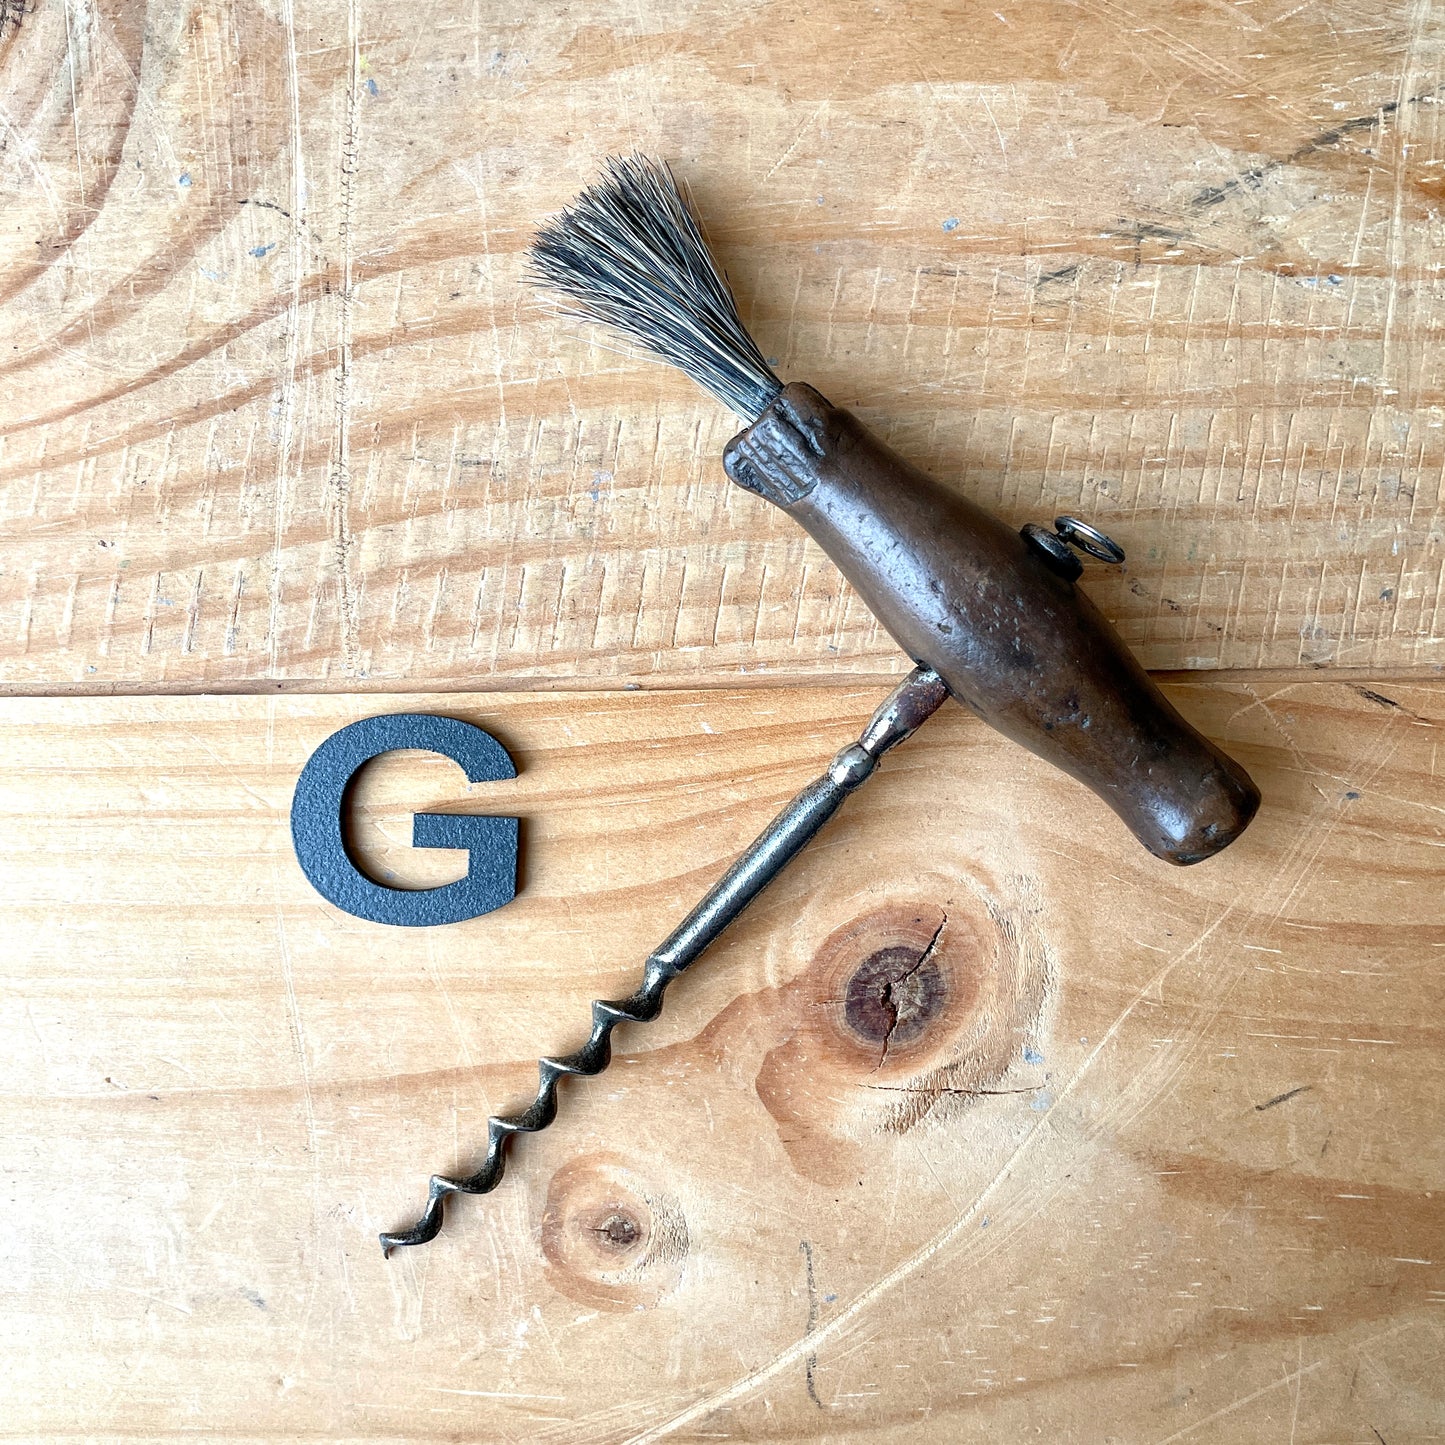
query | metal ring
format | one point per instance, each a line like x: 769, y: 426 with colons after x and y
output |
x: 1089, y: 539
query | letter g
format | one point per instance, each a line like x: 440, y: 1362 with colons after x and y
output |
x: 491, y: 843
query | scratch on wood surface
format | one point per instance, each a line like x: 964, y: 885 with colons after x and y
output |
x: 341, y: 445
x: 287, y: 422
x: 435, y: 968
x: 810, y: 1363
x: 78, y: 20
x: 1395, y: 246
x: 798, y: 135
x: 303, y: 1069
x: 1298, y: 1389
x: 477, y: 178
x: 1282, y: 1098
x: 1285, y: 1381
x: 993, y: 120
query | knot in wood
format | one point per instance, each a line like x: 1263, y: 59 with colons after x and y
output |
x: 894, y: 994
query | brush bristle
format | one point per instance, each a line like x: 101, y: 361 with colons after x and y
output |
x: 629, y: 253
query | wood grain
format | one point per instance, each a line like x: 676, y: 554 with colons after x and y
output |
x: 278, y: 406
x: 1135, y: 1153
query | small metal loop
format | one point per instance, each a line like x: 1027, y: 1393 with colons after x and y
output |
x: 1089, y: 539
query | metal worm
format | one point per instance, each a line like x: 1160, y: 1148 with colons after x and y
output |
x: 910, y: 704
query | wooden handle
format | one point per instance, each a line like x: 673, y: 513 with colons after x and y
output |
x: 999, y: 619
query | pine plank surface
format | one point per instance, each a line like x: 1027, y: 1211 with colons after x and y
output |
x: 1134, y: 1153
x: 277, y: 405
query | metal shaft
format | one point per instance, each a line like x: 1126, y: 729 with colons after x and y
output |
x: 910, y: 704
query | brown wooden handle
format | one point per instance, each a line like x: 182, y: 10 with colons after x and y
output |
x: 1002, y: 624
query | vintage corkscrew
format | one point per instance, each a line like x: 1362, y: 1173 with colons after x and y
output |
x: 989, y: 615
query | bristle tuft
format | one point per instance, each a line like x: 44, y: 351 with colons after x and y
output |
x: 629, y: 253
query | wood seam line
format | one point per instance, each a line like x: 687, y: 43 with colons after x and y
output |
x: 834, y: 682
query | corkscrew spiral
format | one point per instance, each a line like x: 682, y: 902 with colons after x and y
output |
x: 594, y: 1056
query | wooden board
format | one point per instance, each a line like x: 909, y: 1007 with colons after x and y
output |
x: 278, y: 405
x: 1128, y: 1153
x: 1135, y: 1153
